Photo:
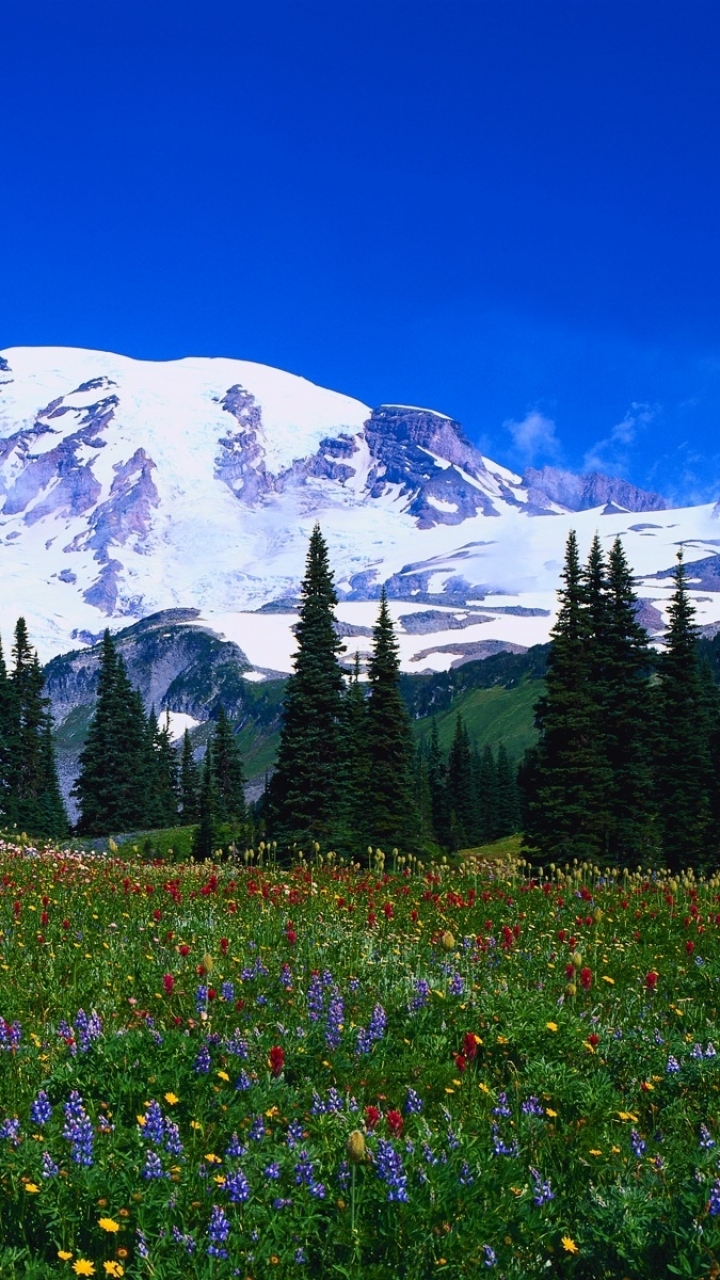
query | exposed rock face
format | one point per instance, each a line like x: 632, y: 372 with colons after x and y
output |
x: 582, y: 492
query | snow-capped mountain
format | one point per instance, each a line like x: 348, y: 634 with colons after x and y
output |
x: 128, y: 487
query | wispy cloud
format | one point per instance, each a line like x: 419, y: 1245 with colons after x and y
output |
x: 612, y: 455
x: 534, y: 437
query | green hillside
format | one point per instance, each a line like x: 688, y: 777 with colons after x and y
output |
x: 491, y: 716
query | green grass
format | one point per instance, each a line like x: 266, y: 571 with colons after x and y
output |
x: 491, y: 716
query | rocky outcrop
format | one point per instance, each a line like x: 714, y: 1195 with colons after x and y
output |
x: 583, y: 492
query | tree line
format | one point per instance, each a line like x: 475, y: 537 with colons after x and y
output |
x: 30, y: 797
x: 627, y: 764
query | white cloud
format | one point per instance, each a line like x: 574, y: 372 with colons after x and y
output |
x: 611, y: 454
x: 534, y: 437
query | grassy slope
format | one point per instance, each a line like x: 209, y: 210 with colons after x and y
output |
x: 491, y: 716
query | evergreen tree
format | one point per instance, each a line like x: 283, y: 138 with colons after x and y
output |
x: 112, y: 786
x: 568, y: 811
x: 352, y: 834
x: 508, y: 800
x: 189, y: 784
x: 305, y: 788
x: 461, y: 792
x: 683, y: 764
x: 393, y: 818
x: 165, y: 773
x: 205, y: 838
x: 228, y: 774
x: 626, y: 711
x: 488, y: 797
x: 6, y: 732
x: 437, y: 785
x: 34, y: 801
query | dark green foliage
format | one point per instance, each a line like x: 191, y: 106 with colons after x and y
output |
x: 429, y: 695
x: 189, y: 783
x: 31, y: 792
x: 684, y: 776
x: 205, y: 838
x: 352, y: 833
x: 390, y: 802
x: 567, y: 814
x: 164, y: 758
x: 437, y: 787
x: 305, y: 788
x: 507, y: 798
x: 487, y: 779
x: 462, y: 798
x: 115, y: 772
x: 228, y: 775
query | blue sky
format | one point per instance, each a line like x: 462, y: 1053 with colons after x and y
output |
x: 505, y: 210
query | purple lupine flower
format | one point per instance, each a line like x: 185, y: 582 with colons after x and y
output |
x: 235, y: 1148
x: 173, y: 1142
x: 422, y: 994
x: 489, y: 1256
x: 335, y: 1019
x: 154, y: 1127
x: 257, y: 1129
x: 218, y: 1232
x: 237, y: 1187
x: 390, y: 1170
x: 286, y: 978
x: 502, y: 1108
x: 637, y: 1144
x: 697, y: 1051
x: 141, y: 1244
x: 272, y: 1171
x: 49, y: 1167
x: 88, y: 1029
x: 227, y: 991
x: 74, y: 1108
x: 673, y: 1066
x: 243, y: 1081
x: 542, y: 1191
x: 10, y: 1034
x: 201, y: 998
x: 343, y: 1174
x: 299, y: 1256
x: 280, y: 1203
x: 10, y: 1130
x: 203, y: 1061
x: 501, y: 1148
x: 237, y: 1045
x: 710, y: 1051
x: 304, y: 1169
x: 315, y: 997
x: 41, y: 1111
x: 353, y: 984
x: 706, y: 1139
x: 317, y: 1107
x: 531, y: 1106
x: 295, y: 1133
x: 413, y: 1103
x: 714, y: 1201
x: 378, y: 1023
x: 335, y: 1102
x: 153, y: 1166
x: 465, y: 1177
x: 186, y: 1240
x: 456, y: 985
x: 657, y: 1037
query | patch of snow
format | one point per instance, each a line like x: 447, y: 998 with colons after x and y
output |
x: 439, y: 462
x: 441, y: 505
x: 414, y: 408
x: 179, y: 722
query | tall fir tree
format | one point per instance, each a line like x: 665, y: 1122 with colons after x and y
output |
x: 393, y: 818
x: 164, y: 772
x: 305, y: 788
x: 112, y: 786
x: 437, y: 785
x: 461, y: 790
x: 626, y: 710
x: 6, y: 733
x: 33, y: 792
x: 683, y: 768
x: 507, y: 798
x: 488, y: 796
x: 228, y: 773
x: 567, y: 814
x: 205, y: 838
x: 189, y: 783
x: 352, y: 834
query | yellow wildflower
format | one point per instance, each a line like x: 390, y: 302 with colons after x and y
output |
x: 83, y: 1268
x: 551, y: 1026
x: 32, y: 1187
x: 171, y: 1099
x: 109, y: 1224
x: 569, y: 1245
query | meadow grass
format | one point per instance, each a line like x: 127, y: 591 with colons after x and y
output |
x: 329, y: 1070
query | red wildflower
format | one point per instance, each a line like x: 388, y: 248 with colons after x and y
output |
x: 689, y: 946
x: 184, y: 949
x: 594, y: 1039
x: 44, y: 918
x: 651, y: 980
x: 168, y: 983
x: 224, y: 944
x: 291, y: 937
x: 372, y: 1116
x: 157, y: 914
x: 394, y: 1123
x: 276, y: 1059
x: 469, y: 1046
x: 460, y: 1061
x: 66, y: 924
x: 586, y: 978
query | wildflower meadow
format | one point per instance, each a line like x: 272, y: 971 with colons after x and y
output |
x: 356, y: 1071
